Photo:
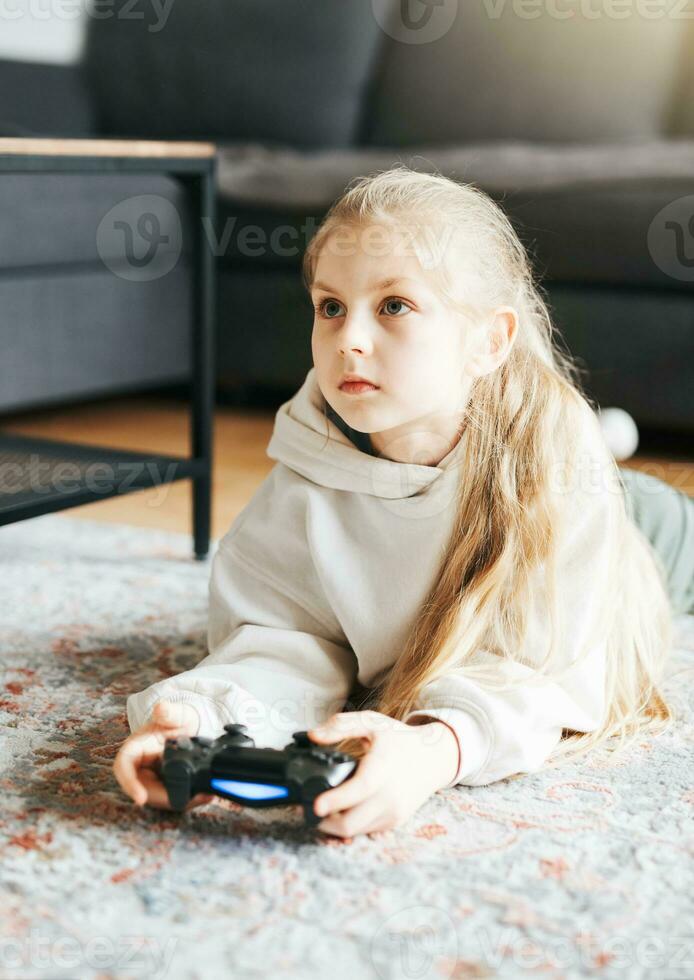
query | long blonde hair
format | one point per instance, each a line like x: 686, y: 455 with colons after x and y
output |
x: 521, y: 423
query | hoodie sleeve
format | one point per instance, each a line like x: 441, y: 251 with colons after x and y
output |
x: 277, y: 662
x: 502, y: 733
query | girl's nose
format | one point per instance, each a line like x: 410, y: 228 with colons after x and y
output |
x: 355, y: 335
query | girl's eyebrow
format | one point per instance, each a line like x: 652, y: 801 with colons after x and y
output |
x: 384, y: 284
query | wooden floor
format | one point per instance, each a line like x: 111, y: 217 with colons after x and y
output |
x: 161, y: 424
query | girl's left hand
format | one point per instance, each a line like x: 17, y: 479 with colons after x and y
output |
x: 404, y: 765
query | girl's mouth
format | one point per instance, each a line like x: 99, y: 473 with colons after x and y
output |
x: 357, y: 387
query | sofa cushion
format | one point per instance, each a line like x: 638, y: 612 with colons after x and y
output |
x: 91, y: 334
x: 635, y: 346
x: 234, y: 69
x: 545, y: 70
x: 44, y: 100
x: 589, y: 211
x: 60, y: 219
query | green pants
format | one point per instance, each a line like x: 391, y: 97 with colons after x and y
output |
x: 665, y: 515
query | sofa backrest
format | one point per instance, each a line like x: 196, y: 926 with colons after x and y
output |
x: 44, y: 100
x: 293, y: 72
x: 522, y: 69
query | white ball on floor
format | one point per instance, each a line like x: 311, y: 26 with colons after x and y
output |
x: 620, y: 432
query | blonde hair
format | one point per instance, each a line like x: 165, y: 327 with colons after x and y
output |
x: 521, y: 423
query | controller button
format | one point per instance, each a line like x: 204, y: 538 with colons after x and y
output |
x: 202, y: 740
x: 234, y: 728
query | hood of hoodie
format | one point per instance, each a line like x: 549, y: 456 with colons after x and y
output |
x: 306, y: 440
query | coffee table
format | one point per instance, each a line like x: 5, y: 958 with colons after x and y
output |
x: 38, y: 476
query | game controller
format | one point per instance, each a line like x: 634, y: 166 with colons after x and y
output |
x: 232, y: 767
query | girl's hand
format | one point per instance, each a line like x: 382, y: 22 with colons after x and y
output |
x: 405, y: 764
x: 134, y: 764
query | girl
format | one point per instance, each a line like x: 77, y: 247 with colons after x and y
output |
x: 452, y: 539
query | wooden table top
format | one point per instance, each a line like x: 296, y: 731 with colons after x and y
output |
x: 106, y: 148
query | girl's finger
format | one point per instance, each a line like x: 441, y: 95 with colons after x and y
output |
x: 381, y: 827
x: 347, y: 823
x: 125, y: 769
x: 169, y: 714
x: 347, y: 724
x: 356, y: 789
x: 157, y: 795
x: 200, y: 799
x: 135, y: 754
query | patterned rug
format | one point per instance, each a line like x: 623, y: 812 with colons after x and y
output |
x: 583, y: 871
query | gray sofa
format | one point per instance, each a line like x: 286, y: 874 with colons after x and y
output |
x: 586, y: 136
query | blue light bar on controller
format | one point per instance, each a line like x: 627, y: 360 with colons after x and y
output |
x: 250, y: 791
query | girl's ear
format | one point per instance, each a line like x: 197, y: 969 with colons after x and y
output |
x: 493, y: 342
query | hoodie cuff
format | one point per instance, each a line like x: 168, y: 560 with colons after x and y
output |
x: 212, y: 716
x: 474, y: 741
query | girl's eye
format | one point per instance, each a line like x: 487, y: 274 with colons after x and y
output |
x: 397, y: 302
x: 322, y: 307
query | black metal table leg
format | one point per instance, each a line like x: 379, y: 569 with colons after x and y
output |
x: 203, y: 356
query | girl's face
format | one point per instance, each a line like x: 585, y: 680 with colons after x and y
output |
x: 378, y: 316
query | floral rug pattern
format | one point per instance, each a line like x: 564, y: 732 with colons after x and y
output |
x: 582, y: 871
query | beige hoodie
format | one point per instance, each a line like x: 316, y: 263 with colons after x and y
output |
x: 318, y: 582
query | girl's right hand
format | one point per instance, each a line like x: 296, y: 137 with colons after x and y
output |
x: 134, y: 764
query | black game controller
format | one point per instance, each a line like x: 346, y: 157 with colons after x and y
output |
x: 231, y: 766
